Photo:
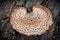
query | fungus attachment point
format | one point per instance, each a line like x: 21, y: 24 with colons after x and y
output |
x: 29, y: 10
x: 33, y: 23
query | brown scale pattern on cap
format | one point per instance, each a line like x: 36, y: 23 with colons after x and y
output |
x: 33, y: 23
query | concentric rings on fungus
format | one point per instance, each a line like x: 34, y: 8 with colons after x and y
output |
x: 33, y: 23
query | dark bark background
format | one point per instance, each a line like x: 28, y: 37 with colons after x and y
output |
x: 7, y: 6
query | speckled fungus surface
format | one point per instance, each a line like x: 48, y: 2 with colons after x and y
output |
x: 33, y: 23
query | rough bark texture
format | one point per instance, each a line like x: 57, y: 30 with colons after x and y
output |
x: 7, y: 6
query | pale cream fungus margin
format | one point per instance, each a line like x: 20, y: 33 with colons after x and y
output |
x: 33, y: 23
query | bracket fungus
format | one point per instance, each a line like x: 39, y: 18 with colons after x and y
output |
x: 36, y: 22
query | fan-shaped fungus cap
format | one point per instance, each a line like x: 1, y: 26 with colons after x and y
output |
x: 33, y: 23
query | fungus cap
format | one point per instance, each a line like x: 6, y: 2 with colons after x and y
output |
x: 36, y: 22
